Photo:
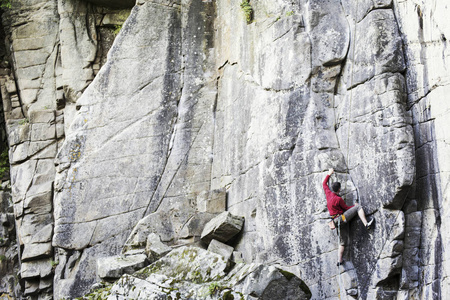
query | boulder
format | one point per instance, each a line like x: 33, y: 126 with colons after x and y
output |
x: 115, y: 266
x: 194, y: 273
x: 155, y: 249
x: 221, y: 249
x: 195, y: 225
x: 159, y: 223
x: 222, y: 228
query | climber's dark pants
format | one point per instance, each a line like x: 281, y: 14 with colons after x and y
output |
x: 343, y: 227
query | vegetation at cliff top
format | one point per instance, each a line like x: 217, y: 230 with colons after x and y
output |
x: 5, y: 4
x: 248, y: 10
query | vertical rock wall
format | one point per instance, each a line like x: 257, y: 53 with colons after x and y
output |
x: 308, y: 87
x: 192, y: 98
x: 53, y: 60
x: 141, y: 141
x: 425, y: 31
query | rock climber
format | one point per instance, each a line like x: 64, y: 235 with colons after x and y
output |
x: 337, y: 207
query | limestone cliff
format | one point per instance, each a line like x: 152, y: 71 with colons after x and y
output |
x: 108, y: 132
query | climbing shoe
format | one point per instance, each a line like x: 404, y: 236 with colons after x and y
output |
x: 369, y: 224
x: 340, y: 263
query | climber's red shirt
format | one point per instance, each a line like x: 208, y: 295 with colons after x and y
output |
x: 335, y: 203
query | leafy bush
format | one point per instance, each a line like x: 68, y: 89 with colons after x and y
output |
x: 4, y: 163
x: 5, y: 4
x: 117, y: 29
x: 24, y: 121
x: 248, y: 10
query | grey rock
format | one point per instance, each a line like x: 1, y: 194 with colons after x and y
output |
x: 378, y: 50
x: 222, y: 228
x: 414, y: 219
x: 261, y: 109
x: 43, y: 132
x: 155, y: 249
x: 154, y: 223
x: 412, y: 238
x: 87, y: 220
x: 116, y: 18
x: 115, y: 266
x: 237, y: 257
x: 35, y: 269
x: 44, y: 235
x: 386, y: 268
x: 349, y: 281
x: 31, y: 287
x: 39, y: 203
x: 42, y: 116
x: 330, y: 33
x: 194, y: 272
x: 411, y: 206
x: 221, y: 249
x: 36, y: 250
x: 212, y: 201
x: 45, y: 283
x: 195, y: 225
x: 352, y: 292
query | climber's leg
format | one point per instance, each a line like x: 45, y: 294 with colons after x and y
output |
x: 343, y: 240
x: 362, y: 215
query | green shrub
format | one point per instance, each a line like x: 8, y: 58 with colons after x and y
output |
x: 215, y: 287
x: 117, y: 29
x: 248, y: 10
x: 5, y: 4
x: 4, y: 162
x: 24, y: 121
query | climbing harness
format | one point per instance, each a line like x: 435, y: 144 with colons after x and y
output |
x: 338, y: 217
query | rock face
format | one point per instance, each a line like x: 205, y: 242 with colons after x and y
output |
x: 195, y: 111
x: 9, y: 259
x: 56, y: 48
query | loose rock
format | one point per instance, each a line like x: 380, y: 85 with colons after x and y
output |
x: 222, y: 228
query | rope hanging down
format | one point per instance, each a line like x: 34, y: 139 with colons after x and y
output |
x: 373, y: 267
x: 348, y: 143
x: 351, y: 97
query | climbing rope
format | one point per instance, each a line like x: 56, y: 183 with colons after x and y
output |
x: 373, y: 267
x: 351, y: 100
x: 348, y: 148
x: 339, y: 245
